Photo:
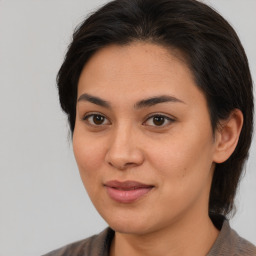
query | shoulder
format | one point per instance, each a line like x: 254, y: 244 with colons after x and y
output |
x: 97, y: 245
x: 242, y: 246
x: 230, y: 243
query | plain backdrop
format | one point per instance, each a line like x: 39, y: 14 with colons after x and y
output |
x: 43, y: 204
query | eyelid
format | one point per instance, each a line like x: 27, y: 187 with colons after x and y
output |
x: 169, y: 118
x: 91, y: 114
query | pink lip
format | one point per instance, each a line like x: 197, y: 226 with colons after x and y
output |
x: 127, y: 191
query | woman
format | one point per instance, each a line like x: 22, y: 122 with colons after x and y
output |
x: 159, y: 101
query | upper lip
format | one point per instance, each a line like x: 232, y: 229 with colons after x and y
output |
x: 126, y: 185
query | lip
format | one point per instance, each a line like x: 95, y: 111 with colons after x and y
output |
x: 127, y: 191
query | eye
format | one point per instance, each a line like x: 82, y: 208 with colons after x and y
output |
x: 158, y: 120
x: 96, y: 119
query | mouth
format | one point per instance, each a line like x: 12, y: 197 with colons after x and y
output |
x: 127, y: 191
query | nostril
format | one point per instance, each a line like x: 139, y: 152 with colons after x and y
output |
x: 124, y: 155
x: 122, y: 164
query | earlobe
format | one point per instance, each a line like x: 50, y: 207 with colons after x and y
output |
x: 227, y: 136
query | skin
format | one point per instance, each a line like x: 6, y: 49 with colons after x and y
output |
x: 176, y: 157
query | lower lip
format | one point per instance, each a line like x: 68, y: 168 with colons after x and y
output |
x: 127, y: 196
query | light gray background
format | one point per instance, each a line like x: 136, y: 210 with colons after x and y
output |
x: 43, y: 204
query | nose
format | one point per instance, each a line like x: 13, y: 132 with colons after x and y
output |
x: 123, y: 151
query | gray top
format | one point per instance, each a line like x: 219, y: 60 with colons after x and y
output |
x: 228, y: 243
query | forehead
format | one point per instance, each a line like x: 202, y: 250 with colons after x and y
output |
x: 136, y: 69
x: 141, y: 54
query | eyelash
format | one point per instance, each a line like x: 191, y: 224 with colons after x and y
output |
x: 92, y: 115
x: 167, y: 120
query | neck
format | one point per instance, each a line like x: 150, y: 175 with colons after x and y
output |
x: 182, y: 238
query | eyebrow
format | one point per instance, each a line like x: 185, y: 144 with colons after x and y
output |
x: 156, y: 100
x: 140, y: 104
x: 94, y: 100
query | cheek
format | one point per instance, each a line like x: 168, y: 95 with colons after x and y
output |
x: 183, y: 161
x: 89, y: 155
x: 185, y: 178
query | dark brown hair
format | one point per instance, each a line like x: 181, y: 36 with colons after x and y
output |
x: 212, y: 51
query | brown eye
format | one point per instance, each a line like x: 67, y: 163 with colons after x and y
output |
x: 158, y: 121
x: 96, y: 119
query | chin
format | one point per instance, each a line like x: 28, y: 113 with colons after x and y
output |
x: 130, y: 225
x: 129, y: 229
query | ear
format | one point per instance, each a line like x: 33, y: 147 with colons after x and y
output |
x: 227, y: 135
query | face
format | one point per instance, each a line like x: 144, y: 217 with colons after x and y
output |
x: 143, y: 140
